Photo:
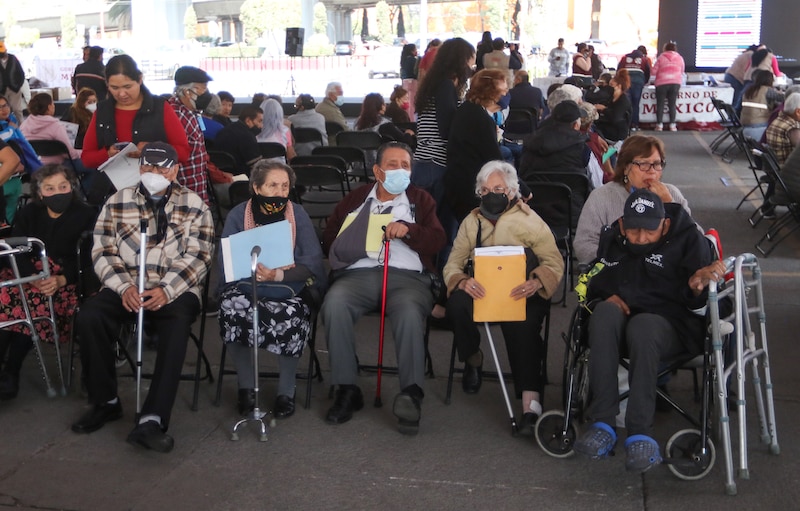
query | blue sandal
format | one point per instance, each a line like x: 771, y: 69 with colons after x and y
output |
x: 597, y: 442
x: 641, y: 453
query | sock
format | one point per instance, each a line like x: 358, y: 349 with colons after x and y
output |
x: 476, y: 359
x: 287, y: 369
x: 113, y: 401
x: 535, y: 407
x: 151, y: 417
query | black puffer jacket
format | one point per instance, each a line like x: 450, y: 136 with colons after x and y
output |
x: 554, y: 147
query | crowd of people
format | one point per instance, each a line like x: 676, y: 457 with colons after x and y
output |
x: 451, y: 176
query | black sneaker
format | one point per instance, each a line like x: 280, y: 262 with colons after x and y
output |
x: 768, y: 211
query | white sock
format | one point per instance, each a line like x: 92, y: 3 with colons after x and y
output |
x: 535, y: 407
x: 156, y: 418
x: 113, y: 401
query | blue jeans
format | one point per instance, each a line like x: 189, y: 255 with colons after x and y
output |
x: 430, y: 176
x: 738, y: 89
x: 635, y: 95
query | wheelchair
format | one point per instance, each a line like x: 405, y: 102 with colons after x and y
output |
x: 690, y: 453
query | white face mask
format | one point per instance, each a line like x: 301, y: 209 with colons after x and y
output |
x: 154, y: 183
x: 91, y: 107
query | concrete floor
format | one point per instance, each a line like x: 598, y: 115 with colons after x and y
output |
x: 464, y: 456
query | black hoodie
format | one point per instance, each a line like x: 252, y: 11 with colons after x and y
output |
x: 657, y: 282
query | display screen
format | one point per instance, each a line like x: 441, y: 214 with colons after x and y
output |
x: 724, y: 29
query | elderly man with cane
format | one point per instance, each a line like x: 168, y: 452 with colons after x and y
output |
x: 415, y: 236
x: 180, y: 234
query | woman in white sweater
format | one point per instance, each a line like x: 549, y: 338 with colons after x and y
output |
x: 640, y: 164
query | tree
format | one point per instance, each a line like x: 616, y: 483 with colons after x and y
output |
x: 22, y: 37
x: 457, y: 16
x: 262, y: 16
x: 320, y: 18
x: 189, y: 23
x: 69, y: 29
x: 493, y: 17
x: 121, y: 14
x: 382, y: 13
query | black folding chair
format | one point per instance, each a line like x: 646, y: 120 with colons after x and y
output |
x: 306, y: 138
x: 355, y: 158
x: 367, y: 141
x: 324, y: 187
x: 272, y: 150
x: 332, y: 128
x: 787, y: 223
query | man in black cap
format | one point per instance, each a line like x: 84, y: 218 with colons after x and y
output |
x: 654, y: 266
x: 557, y: 145
x: 190, y: 98
x: 180, y: 236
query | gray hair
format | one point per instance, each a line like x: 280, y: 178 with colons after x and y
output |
x: 564, y: 93
x: 262, y: 168
x: 273, y: 117
x: 506, y: 170
x: 588, y: 113
x: 793, y: 89
x: 180, y: 89
x: 213, y: 106
x: 332, y: 87
x: 791, y: 103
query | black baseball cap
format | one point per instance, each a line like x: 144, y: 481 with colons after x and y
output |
x: 643, y: 210
x: 159, y: 154
x: 191, y: 74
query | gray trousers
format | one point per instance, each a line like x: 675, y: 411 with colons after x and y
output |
x: 649, y: 339
x: 408, y: 303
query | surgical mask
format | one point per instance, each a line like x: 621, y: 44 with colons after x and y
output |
x: 154, y: 182
x: 493, y: 205
x: 92, y: 107
x: 396, y: 181
x: 202, y: 101
x: 405, y: 106
x: 58, y: 203
x: 339, y: 101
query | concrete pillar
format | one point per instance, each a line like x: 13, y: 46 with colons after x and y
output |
x: 307, y: 18
x: 340, y: 24
x: 158, y: 17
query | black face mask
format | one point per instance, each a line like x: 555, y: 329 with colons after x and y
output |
x: 268, y: 210
x: 640, y: 250
x: 255, y: 130
x: 59, y: 202
x: 202, y: 101
x: 493, y: 205
x: 3, y: 55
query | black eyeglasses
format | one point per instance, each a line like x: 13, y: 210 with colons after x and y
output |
x: 646, y: 166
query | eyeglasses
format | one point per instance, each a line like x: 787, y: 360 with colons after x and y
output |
x: 155, y: 168
x: 646, y: 166
x: 497, y: 189
x: 5, y: 105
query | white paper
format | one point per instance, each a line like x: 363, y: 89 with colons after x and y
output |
x: 72, y: 131
x: 499, y: 250
x: 121, y: 170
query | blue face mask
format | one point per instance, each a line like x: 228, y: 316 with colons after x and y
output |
x: 339, y: 101
x: 396, y: 181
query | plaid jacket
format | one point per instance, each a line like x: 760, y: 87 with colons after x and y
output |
x: 192, y: 174
x: 178, y: 263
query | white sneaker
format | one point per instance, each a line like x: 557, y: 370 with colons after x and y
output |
x: 673, y: 127
x: 659, y: 127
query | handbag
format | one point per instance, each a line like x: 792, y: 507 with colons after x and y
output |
x: 271, y: 290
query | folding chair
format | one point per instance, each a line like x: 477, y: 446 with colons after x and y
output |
x: 493, y: 374
x: 224, y: 161
x: 367, y: 141
x: 520, y: 122
x: 788, y: 222
x: 332, y: 128
x: 733, y: 130
x: 306, y: 138
x: 355, y: 158
x: 53, y: 148
x: 324, y: 187
x: 756, y: 165
x: 552, y: 202
x: 272, y: 150
x: 9, y: 249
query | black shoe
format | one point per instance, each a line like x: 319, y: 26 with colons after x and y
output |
x: 408, y: 411
x: 767, y: 211
x: 284, y: 407
x: 9, y: 385
x: 527, y: 424
x: 95, y: 418
x: 247, y: 401
x: 472, y: 380
x: 348, y: 400
x: 150, y: 436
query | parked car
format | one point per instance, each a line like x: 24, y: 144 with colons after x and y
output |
x: 344, y: 48
x: 385, y: 61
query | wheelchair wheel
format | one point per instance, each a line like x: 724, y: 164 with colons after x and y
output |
x: 549, y: 432
x: 687, y: 461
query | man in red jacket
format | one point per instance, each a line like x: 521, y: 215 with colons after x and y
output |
x: 416, y: 237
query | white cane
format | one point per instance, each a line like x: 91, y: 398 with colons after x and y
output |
x: 140, y: 319
x: 502, y: 380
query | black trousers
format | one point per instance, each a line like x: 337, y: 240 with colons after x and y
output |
x: 523, y: 339
x: 98, y: 325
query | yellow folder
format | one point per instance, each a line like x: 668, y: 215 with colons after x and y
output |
x: 374, y: 230
x: 499, y: 270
